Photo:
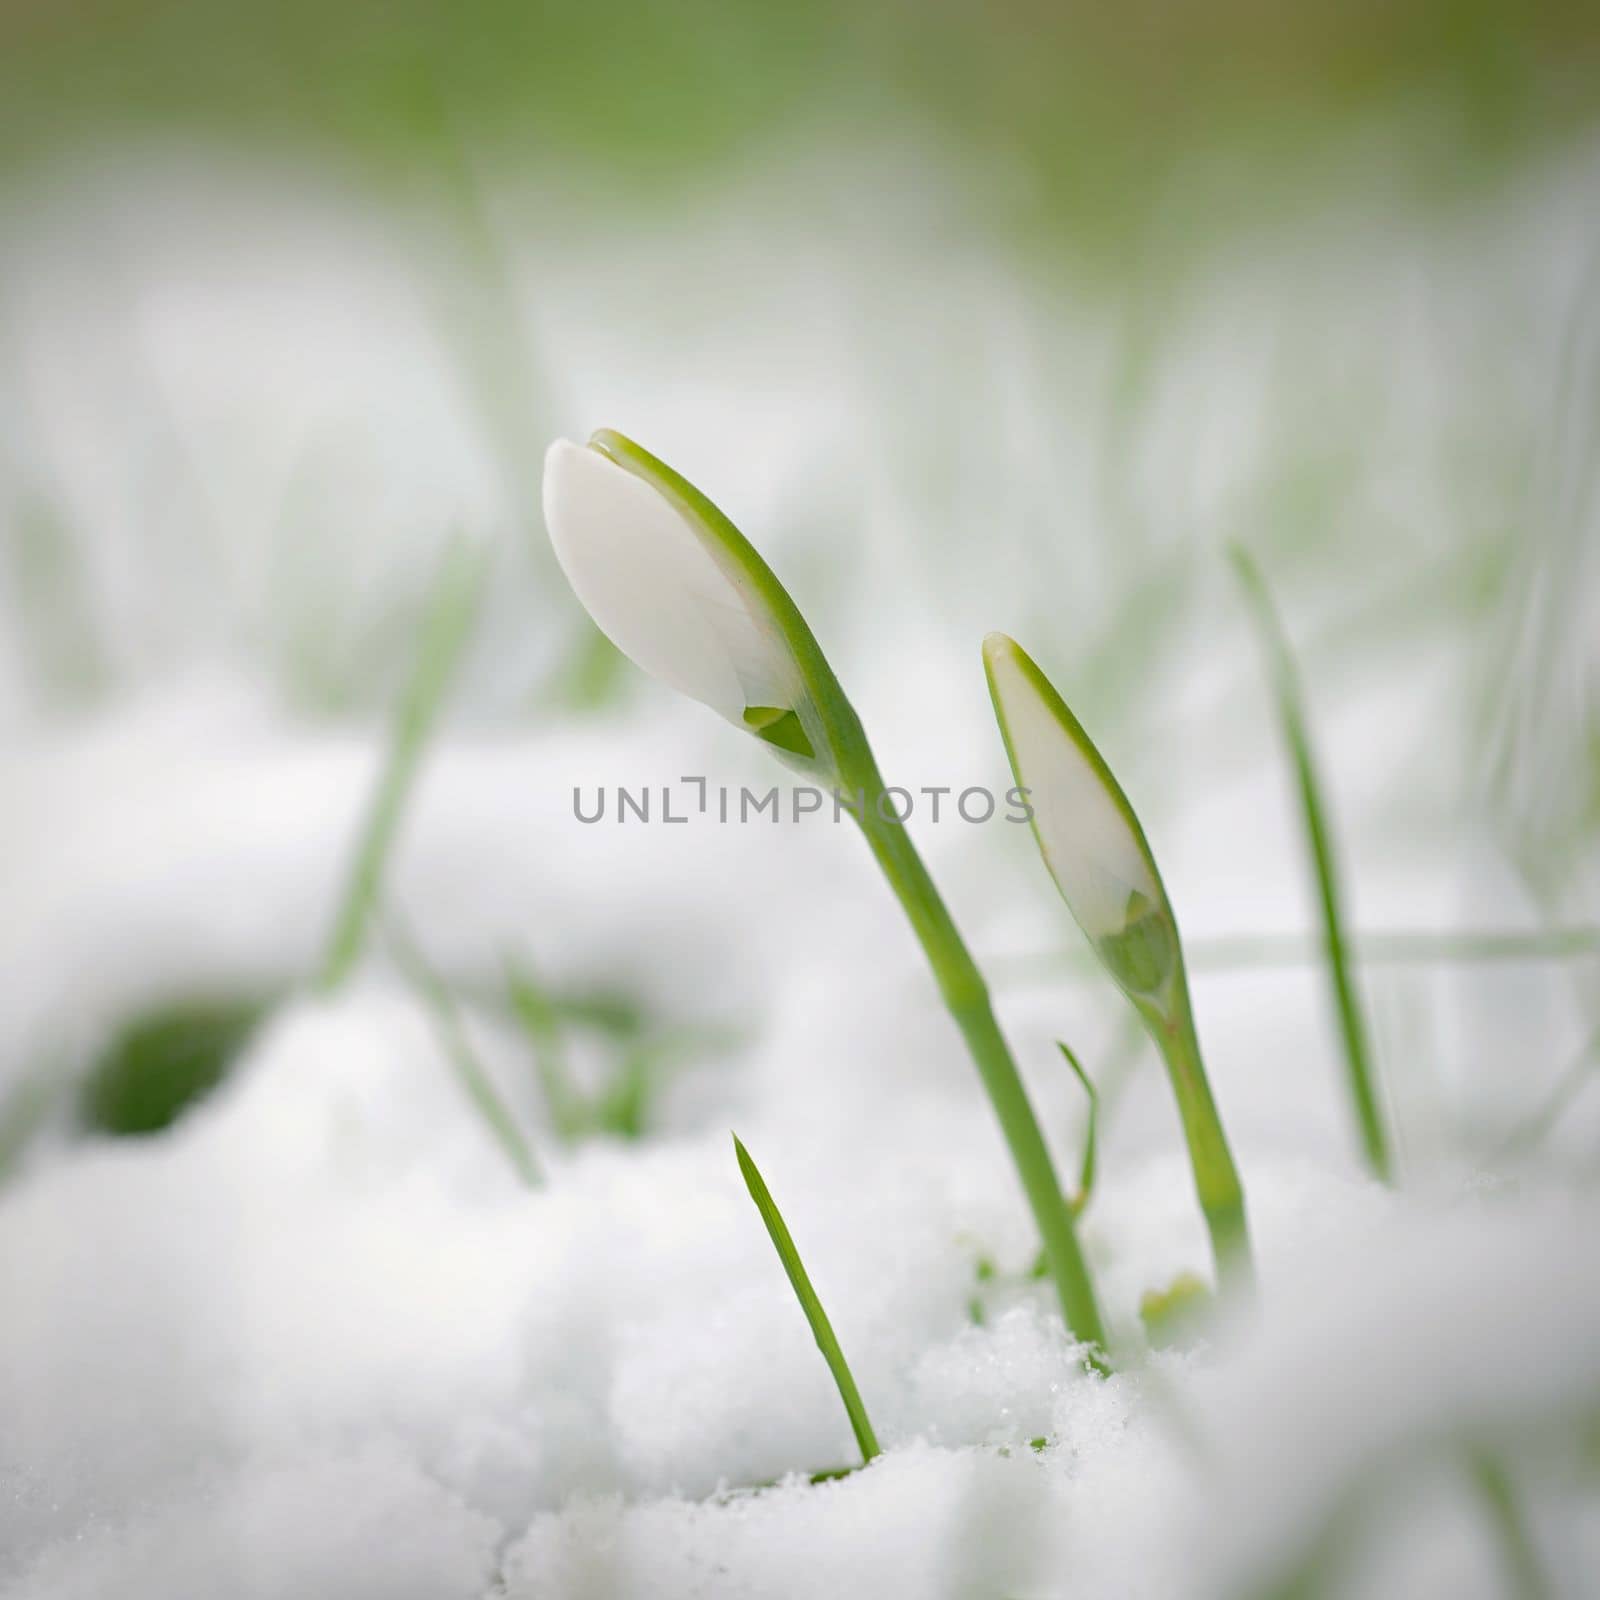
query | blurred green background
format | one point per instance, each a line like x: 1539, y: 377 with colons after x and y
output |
x: 1090, y: 108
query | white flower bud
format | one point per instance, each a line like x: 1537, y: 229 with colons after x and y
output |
x: 668, y: 591
x: 1087, y: 833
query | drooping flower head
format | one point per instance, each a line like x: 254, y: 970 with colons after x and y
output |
x: 683, y: 594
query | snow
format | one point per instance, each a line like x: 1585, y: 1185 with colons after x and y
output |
x: 324, y: 1289
x: 362, y: 1525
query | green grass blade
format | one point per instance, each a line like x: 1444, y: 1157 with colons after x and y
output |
x: 1352, y: 1022
x: 541, y: 1021
x: 452, y: 1036
x: 22, y: 1114
x: 1519, y: 1556
x: 821, y: 1328
x: 628, y: 1105
x: 451, y: 612
x: 1579, y: 1074
x: 1086, y: 1175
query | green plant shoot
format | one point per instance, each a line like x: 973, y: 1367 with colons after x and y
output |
x: 1098, y: 856
x: 470, y: 1072
x: 800, y: 1281
x: 1359, y: 1072
x: 452, y: 608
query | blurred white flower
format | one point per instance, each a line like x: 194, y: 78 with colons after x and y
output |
x: 668, y: 587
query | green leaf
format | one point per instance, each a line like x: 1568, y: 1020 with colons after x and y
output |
x: 541, y: 1021
x: 1086, y: 1175
x: 1142, y: 955
x: 1512, y: 1528
x: 165, y: 1061
x: 821, y: 1328
x: 780, y: 728
x: 624, y: 1109
x: 1359, y: 1071
x: 23, y: 1110
x: 1577, y: 1076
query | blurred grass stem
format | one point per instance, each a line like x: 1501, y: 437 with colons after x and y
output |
x: 470, y: 1072
x: 1359, y: 1069
x: 452, y: 608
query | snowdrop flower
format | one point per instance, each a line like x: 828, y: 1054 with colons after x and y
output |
x: 1090, y: 839
x: 681, y: 592
x: 678, y: 589
x: 1097, y: 854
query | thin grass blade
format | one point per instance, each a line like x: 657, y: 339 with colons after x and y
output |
x: 1510, y: 1526
x: 1579, y: 1074
x: 821, y: 1328
x: 452, y: 610
x: 1086, y: 1173
x: 23, y: 1112
x: 540, y: 1018
x: 470, y: 1071
x: 1319, y: 846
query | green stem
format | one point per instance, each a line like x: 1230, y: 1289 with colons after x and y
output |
x: 1216, y: 1178
x: 834, y: 734
x: 966, y: 996
x: 541, y: 1022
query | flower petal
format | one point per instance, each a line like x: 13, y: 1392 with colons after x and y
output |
x: 1086, y: 832
x: 653, y: 584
